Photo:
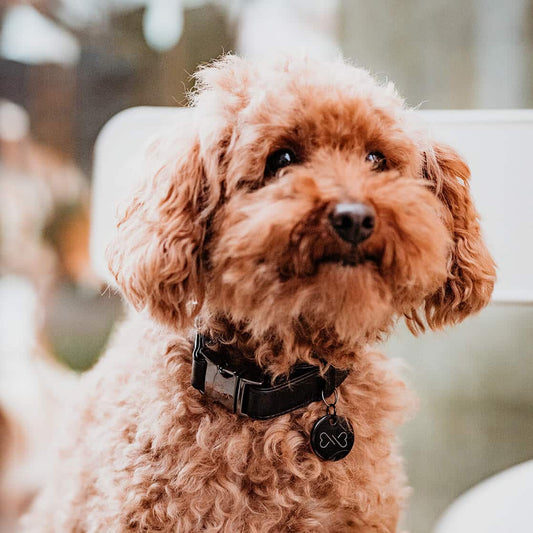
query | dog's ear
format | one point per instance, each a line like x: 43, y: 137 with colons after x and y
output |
x: 471, y: 270
x: 156, y: 255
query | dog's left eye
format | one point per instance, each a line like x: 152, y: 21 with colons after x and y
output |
x: 377, y: 160
x: 279, y: 159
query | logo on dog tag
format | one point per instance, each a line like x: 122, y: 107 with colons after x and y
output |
x: 332, y: 437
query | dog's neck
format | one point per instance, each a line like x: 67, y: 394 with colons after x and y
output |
x: 278, y: 351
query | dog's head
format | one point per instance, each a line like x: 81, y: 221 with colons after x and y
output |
x: 303, y: 193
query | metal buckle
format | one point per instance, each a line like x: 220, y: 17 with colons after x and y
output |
x: 226, y: 387
x: 221, y: 384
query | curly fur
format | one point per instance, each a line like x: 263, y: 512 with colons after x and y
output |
x: 212, y: 241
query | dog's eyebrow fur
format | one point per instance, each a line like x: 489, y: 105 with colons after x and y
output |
x: 249, y: 184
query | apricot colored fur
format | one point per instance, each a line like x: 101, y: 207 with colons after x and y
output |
x: 212, y: 242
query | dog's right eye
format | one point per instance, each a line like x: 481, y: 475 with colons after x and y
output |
x: 377, y: 161
x: 278, y: 160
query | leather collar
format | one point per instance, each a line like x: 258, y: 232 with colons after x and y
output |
x: 247, y: 390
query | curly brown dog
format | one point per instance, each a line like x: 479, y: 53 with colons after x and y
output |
x: 298, y: 216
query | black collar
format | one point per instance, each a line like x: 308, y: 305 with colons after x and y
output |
x: 247, y: 390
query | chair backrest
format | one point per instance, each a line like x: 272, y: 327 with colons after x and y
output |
x: 494, y: 142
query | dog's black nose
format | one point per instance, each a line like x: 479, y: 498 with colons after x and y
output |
x: 353, y: 223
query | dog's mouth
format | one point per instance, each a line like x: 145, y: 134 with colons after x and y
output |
x: 353, y: 259
x: 306, y: 260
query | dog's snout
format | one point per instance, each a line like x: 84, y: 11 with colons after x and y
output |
x: 353, y: 222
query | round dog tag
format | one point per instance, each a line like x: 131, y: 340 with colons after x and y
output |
x: 332, y: 437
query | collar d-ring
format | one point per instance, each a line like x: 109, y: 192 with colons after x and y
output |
x: 336, y: 396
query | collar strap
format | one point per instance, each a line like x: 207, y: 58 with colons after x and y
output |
x: 246, y: 390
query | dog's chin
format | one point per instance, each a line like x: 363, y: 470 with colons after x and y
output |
x: 342, y: 293
x: 348, y: 294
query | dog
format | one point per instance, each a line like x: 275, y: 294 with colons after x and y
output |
x: 301, y: 213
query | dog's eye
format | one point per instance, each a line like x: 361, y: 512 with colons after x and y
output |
x: 279, y: 159
x: 377, y: 160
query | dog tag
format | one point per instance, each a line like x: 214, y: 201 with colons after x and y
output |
x: 332, y: 437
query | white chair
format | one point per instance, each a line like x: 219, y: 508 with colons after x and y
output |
x: 500, y: 504
x: 497, y: 146
x: 118, y: 155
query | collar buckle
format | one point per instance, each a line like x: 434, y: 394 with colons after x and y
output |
x: 224, y: 385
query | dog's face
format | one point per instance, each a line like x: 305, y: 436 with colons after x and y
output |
x: 304, y: 194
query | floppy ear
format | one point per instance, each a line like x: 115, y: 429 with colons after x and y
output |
x: 156, y: 256
x: 471, y: 270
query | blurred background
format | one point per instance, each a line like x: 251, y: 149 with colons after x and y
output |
x: 67, y: 67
